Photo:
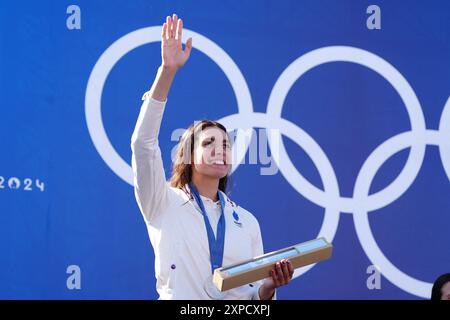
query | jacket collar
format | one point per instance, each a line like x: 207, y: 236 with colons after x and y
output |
x: 229, y: 205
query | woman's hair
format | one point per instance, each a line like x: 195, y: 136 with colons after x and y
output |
x: 436, y: 292
x: 182, y: 165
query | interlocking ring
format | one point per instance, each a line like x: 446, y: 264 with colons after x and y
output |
x: 330, y: 199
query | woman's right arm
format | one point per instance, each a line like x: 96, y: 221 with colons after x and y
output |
x: 149, y: 177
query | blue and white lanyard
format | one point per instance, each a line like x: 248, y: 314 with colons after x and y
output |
x: 216, y: 244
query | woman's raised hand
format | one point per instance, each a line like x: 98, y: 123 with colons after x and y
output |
x: 173, y: 55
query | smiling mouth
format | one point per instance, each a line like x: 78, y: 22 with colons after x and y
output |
x: 218, y: 163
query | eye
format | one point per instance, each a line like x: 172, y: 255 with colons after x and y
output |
x: 207, y: 142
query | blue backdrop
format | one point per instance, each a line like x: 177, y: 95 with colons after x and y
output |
x: 357, y: 92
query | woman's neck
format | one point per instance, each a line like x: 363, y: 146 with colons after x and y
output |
x: 206, y: 186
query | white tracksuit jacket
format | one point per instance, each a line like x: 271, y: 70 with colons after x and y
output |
x: 175, y: 224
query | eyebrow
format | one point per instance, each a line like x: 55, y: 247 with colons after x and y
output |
x: 213, y: 139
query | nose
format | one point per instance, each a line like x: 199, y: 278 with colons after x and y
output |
x: 218, y: 150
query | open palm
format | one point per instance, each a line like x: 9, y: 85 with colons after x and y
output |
x: 173, y: 55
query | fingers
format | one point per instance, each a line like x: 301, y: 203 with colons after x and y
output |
x: 169, y: 27
x: 280, y: 277
x: 291, y: 269
x: 164, y: 31
x: 285, y: 268
x: 282, y: 273
x: 274, y: 275
x: 174, y: 25
x: 171, y: 23
x: 172, y: 28
x: 179, y: 29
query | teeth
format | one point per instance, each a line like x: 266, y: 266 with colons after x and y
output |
x: 218, y: 162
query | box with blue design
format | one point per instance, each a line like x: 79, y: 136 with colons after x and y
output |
x: 258, y: 268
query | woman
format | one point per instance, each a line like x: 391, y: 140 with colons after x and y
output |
x: 193, y: 226
x: 441, y: 288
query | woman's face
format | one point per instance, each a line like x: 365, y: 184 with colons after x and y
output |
x: 212, y: 153
x: 445, y: 291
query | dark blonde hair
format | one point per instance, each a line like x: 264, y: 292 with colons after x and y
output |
x: 182, y: 165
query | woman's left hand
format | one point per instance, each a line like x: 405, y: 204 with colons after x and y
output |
x: 280, y: 275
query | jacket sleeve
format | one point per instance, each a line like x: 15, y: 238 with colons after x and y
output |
x: 150, y: 186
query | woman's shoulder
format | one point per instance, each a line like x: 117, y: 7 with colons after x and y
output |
x: 242, y: 214
x: 178, y: 195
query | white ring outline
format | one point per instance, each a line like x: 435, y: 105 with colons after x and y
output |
x: 324, y: 55
x: 408, y: 173
x: 120, y: 48
x: 444, y: 141
x: 331, y: 215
